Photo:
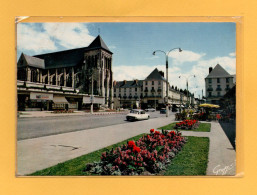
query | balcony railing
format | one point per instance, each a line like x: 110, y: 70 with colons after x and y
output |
x: 218, y: 89
x: 210, y: 89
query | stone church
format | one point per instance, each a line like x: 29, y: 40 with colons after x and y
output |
x: 72, y: 74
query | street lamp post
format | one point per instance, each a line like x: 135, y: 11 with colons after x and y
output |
x: 187, y: 85
x: 167, y: 81
x: 92, y: 96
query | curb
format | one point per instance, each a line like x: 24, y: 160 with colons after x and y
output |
x: 61, y: 115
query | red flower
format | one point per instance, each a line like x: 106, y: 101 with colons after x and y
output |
x: 131, y: 144
x: 136, y: 149
x: 157, y: 133
x: 151, y: 130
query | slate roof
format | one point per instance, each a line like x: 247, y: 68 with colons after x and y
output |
x: 60, y: 59
x: 98, y: 43
x: 155, y: 75
x: 66, y: 58
x: 34, y: 62
x: 128, y: 84
x: 218, y: 72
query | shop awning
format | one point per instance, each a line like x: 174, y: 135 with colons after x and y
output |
x: 60, y: 100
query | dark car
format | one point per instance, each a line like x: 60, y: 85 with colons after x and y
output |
x: 163, y: 111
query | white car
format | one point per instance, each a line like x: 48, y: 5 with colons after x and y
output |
x: 137, y: 114
x: 150, y: 110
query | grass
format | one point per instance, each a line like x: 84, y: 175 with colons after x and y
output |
x: 192, y: 160
x: 204, y: 127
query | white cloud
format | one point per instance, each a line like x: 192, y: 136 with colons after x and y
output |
x: 232, y: 54
x: 112, y: 47
x: 228, y: 63
x: 152, y: 57
x: 196, y: 84
x: 29, y: 38
x: 185, y: 56
x: 68, y: 35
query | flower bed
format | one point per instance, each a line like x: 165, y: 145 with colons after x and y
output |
x: 187, y: 124
x: 149, y: 155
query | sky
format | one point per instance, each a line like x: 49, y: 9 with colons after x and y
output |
x: 204, y: 45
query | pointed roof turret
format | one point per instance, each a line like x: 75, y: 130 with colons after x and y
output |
x: 218, y: 71
x: 98, y: 43
x: 155, y: 75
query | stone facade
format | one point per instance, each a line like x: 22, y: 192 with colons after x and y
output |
x: 217, y: 84
x: 147, y: 93
x: 87, y: 70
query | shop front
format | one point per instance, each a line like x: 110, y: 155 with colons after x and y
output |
x: 34, y: 101
x: 60, y: 103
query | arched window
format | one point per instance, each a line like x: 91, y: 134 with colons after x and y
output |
x: 95, y: 88
x: 33, y: 76
x: 69, y: 81
x: 53, y: 80
x: 46, y: 80
x: 62, y: 80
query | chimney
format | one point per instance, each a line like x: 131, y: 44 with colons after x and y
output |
x: 210, y: 69
x: 114, y: 83
x: 161, y: 73
x: 125, y: 82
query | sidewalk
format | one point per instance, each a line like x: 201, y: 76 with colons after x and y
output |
x: 29, y: 114
x: 222, y: 156
x: 39, y: 153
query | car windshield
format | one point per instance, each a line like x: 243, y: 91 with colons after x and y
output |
x: 134, y: 111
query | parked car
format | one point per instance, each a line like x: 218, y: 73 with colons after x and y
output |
x: 150, y: 110
x: 137, y: 114
x: 163, y: 111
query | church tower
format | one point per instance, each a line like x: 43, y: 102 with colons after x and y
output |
x: 98, y: 69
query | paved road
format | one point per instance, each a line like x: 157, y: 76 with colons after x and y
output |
x: 42, y: 152
x: 43, y: 126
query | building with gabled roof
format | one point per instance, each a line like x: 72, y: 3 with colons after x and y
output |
x: 156, y: 75
x: 217, y: 83
x: 86, y: 70
x: 146, y: 93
